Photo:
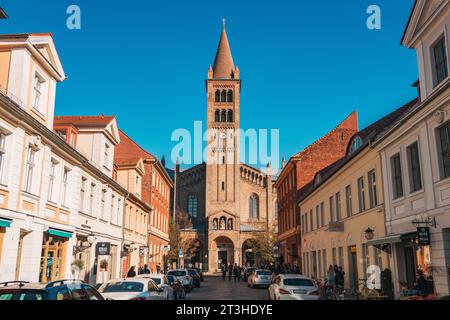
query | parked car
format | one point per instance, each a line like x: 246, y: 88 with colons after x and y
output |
x: 57, y: 290
x: 179, y: 291
x: 260, y: 278
x: 183, y: 276
x: 131, y: 289
x: 293, y: 287
x: 162, y: 283
x: 196, y: 277
x: 247, y: 272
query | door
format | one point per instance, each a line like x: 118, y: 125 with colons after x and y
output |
x: 353, y: 265
x: 410, y: 266
x: 223, y: 258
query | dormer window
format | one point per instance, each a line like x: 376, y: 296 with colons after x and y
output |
x: 38, y: 90
x: 355, y: 145
x: 318, y: 179
x: 439, y: 55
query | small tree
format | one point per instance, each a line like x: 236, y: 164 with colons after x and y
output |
x: 262, y: 244
x: 174, y: 241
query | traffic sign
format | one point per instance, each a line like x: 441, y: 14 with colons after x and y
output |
x: 181, y: 254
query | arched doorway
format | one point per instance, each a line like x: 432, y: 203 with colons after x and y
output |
x: 249, y: 253
x: 225, y: 251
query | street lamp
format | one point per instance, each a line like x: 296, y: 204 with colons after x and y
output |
x: 90, y: 239
x: 369, y: 233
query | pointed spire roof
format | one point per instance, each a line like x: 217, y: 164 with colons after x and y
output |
x: 223, y: 64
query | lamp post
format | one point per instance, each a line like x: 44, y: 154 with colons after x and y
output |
x: 369, y: 234
x: 90, y: 239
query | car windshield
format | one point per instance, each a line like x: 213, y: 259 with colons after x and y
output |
x: 22, y: 296
x: 177, y: 273
x: 263, y: 273
x: 157, y: 280
x: 298, y: 282
x: 126, y: 286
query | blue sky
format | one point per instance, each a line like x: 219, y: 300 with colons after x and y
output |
x: 305, y: 65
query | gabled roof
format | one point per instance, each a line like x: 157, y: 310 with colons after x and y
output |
x: 42, y: 47
x: 422, y: 13
x: 368, y: 135
x: 3, y: 14
x: 84, y: 121
x: 106, y: 123
x: 223, y: 64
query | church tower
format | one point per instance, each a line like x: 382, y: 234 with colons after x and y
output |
x: 223, y: 122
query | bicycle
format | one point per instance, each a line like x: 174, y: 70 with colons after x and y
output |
x: 326, y: 292
x: 364, y: 293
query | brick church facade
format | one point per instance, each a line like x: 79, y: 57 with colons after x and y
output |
x: 223, y: 203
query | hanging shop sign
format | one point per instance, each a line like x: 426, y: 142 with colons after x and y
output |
x: 103, y: 249
x: 423, y: 236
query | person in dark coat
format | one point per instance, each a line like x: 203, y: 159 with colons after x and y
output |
x: 131, y: 273
x: 224, y: 271
x: 230, y: 271
x: 421, y: 283
x: 145, y: 270
x: 236, y: 272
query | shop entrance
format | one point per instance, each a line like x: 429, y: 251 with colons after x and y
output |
x: 52, y: 261
x: 353, y: 266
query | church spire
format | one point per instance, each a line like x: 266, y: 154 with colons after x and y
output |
x: 223, y: 64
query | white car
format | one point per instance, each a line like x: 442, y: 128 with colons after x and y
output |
x: 131, y: 289
x: 260, y: 278
x: 162, y: 283
x: 293, y: 287
x: 183, y: 276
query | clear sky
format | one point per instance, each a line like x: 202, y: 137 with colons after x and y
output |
x: 305, y: 65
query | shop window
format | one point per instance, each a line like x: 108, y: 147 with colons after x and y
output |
x: 52, y: 258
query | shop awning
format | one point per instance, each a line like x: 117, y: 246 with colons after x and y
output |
x: 5, y: 223
x: 385, y: 244
x: 60, y: 233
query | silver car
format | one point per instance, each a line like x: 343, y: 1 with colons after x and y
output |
x: 293, y: 287
x: 260, y: 278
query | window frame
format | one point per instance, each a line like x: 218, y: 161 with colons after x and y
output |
x: 373, y: 191
x: 398, y: 188
x: 443, y: 66
x: 414, y: 170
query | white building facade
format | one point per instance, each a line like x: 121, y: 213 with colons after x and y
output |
x: 416, y: 161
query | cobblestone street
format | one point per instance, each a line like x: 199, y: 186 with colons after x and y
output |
x: 214, y: 288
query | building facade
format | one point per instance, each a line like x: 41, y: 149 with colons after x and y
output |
x: 299, y: 171
x: 222, y: 203
x: 343, y: 207
x: 415, y: 160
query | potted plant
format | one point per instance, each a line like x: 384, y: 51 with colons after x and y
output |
x: 77, y: 266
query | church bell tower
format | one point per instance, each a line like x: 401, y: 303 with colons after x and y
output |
x: 223, y: 122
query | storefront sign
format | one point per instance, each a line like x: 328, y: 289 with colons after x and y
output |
x: 103, y: 249
x: 423, y: 235
x: 141, y: 251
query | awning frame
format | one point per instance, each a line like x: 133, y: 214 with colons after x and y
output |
x: 5, y: 223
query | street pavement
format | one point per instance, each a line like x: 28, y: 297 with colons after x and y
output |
x: 215, y: 288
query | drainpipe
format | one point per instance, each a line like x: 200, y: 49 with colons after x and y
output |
x: 123, y: 230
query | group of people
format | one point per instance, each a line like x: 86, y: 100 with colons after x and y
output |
x: 142, y: 270
x: 335, y: 277
x: 233, y: 271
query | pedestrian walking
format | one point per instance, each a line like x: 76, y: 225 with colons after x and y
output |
x: 224, y: 271
x: 236, y: 272
x: 230, y: 271
x: 145, y: 270
x: 131, y: 273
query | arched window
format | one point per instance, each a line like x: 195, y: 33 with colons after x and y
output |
x: 224, y: 96
x: 253, y: 207
x: 192, y: 205
x: 230, y: 96
x: 217, y: 116
x: 223, y: 116
x: 355, y: 144
x: 230, y: 116
x: 218, y: 96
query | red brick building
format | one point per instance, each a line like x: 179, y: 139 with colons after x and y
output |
x: 299, y: 171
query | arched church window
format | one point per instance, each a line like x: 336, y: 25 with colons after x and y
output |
x: 230, y: 116
x: 218, y: 96
x: 223, y: 96
x: 192, y: 205
x: 230, y: 96
x: 223, y: 116
x: 253, y: 207
x: 217, y: 116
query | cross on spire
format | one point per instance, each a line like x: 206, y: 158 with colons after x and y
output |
x: 223, y: 22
